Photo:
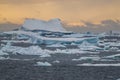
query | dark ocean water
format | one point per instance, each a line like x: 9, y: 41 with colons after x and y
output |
x: 25, y: 70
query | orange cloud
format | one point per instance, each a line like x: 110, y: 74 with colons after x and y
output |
x: 71, y: 11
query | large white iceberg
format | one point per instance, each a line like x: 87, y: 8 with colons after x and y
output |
x: 51, y: 25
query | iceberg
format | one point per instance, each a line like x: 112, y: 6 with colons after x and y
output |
x: 43, y: 64
x: 54, y: 25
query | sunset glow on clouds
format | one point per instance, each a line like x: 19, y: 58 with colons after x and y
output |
x: 70, y: 11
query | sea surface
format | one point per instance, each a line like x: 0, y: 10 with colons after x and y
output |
x: 26, y: 70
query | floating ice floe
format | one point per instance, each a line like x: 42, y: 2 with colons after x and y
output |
x: 89, y: 64
x: 3, y: 58
x: 111, y: 56
x: 56, y: 61
x: 3, y: 53
x: 45, y: 55
x: 43, y: 64
x: 36, y: 50
x: 87, y: 46
x: 87, y: 58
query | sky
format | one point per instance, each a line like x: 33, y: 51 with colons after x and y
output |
x: 72, y: 12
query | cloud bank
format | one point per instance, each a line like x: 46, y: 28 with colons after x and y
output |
x: 39, y: 1
x: 104, y: 26
x: 8, y: 26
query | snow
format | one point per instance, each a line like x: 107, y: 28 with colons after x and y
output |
x: 43, y: 64
x: 51, y: 25
x: 89, y: 64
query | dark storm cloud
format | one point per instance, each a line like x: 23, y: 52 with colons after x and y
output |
x: 104, y: 26
x: 8, y: 26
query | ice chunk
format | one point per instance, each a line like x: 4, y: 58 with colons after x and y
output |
x: 56, y: 61
x: 87, y: 58
x: 43, y: 64
x: 113, y: 56
x: 89, y: 64
x: 3, y: 58
x: 3, y: 53
x: 45, y: 55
